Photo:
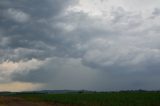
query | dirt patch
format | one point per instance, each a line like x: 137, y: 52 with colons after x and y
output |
x: 16, y: 101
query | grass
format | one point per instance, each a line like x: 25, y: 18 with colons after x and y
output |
x: 99, y: 99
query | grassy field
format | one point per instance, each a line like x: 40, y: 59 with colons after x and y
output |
x: 97, y: 99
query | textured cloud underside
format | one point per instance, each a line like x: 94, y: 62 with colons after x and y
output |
x: 114, y: 44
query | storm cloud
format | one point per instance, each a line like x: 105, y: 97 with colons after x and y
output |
x: 79, y: 44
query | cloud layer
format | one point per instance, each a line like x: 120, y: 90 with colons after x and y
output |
x: 67, y: 45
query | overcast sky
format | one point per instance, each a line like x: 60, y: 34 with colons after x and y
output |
x: 79, y: 44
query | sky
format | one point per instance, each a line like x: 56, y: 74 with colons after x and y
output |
x: 102, y: 45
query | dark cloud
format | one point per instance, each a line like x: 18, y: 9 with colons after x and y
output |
x: 72, y: 49
x: 58, y: 73
x: 156, y: 11
x: 32, y: 25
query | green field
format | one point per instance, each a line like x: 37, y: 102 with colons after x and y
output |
x: 98, y: 99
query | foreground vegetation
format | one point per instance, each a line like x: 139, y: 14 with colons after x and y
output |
x: 97, y: 99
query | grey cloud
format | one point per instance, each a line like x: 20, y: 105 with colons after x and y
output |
x: 87, y: 52
x: 16, y: 15
x: 27, y: 24
x: 37, y: 9
x: 58, y: 73
x: 156, y: 11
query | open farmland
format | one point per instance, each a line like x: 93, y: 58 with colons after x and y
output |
x: 84, y: 99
